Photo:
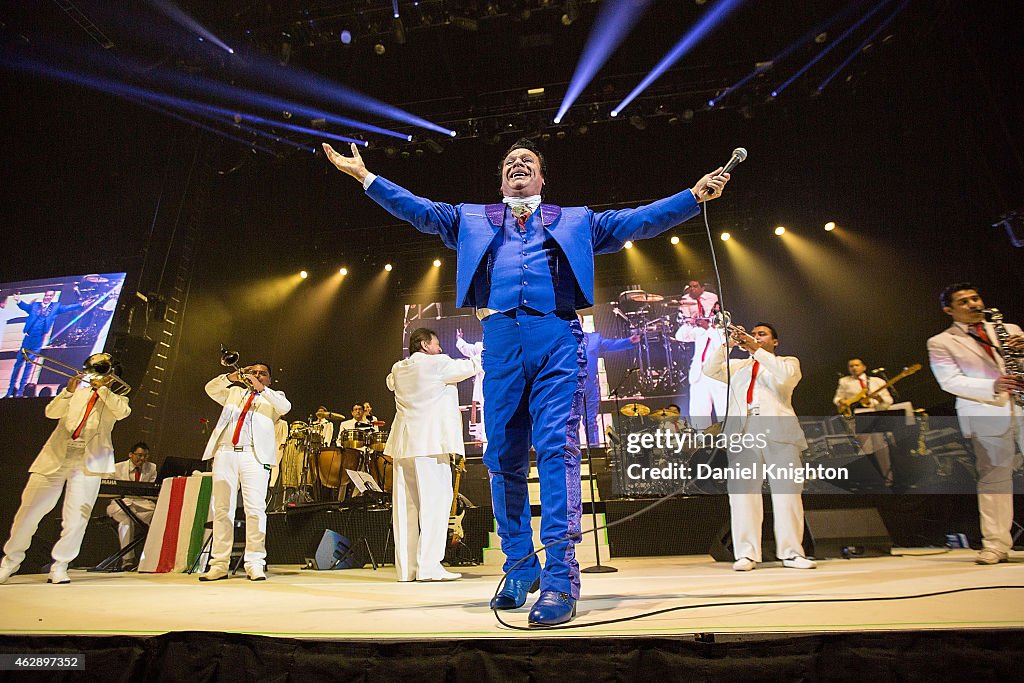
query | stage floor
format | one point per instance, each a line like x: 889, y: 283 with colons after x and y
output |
x: 358, y: 604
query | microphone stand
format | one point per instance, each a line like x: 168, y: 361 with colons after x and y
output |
x: 597, y: 568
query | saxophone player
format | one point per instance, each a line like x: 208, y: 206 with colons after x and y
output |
x: 968, y: 360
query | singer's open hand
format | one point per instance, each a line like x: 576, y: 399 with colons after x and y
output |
x: 715, y: 180
x: 352, y: 165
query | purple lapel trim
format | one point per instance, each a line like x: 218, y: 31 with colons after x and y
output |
x: 495, y: 214
x: 550, y: 213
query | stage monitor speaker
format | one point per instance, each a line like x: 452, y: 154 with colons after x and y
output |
x: 334, y: 552
x: 846, y: 533
x: 134, y: 354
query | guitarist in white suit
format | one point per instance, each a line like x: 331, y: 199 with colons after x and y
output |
x: 761, y: 408
x: 426, y: 433
x: 966, y: 360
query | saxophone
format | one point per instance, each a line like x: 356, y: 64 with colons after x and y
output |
x: 1013, y: 358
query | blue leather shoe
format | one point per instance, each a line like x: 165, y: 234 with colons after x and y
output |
x: 552, y: 608
x: 513, y: 593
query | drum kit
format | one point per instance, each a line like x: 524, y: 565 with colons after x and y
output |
x: 661, y: 355
x: 686, y: 451
x: 315, y: 472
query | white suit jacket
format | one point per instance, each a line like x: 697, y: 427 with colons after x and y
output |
x: 964, y: 369
x: 849, y: 387
x: 473, y: 351
x: 773, y: 392
x: 266, y: 408
x: 68, y: 408
x: 428, y: 421
x: 709, y: 340
x: 125, y: 471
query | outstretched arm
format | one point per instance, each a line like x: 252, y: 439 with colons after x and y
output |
x: 352, y: 165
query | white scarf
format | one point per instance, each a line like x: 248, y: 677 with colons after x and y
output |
x: 530, y: 202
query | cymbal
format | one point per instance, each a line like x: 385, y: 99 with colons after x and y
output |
x: 95, y: 278
x: 664, y: 414
x: 645, y: 297
x: 635, y: 410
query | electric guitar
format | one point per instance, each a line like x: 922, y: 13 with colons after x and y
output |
x: 455, y: 532
x: 865, y: 395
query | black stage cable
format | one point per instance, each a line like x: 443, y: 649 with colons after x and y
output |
x: 579, y: 537
x: 747, y: 603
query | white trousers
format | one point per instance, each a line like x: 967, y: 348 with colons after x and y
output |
x: 747, y: 510
x: 994, y: 456
x: 40, y: 496
x: 232, y: 469
x: 705, y: 394
x: 422, y: 503
x: 143, y: 509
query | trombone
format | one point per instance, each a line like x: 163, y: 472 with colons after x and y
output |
x: 96, y: 367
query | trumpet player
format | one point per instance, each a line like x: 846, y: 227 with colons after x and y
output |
x: 969, y: 361
x: 761, y: 408
x: 243, y: 448
x: 76, y: 457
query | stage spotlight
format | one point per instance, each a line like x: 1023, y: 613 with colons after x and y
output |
x: 572, y: 12
x: 303, y: 274
x: 379, y: 49
x: 387, y: 267
x: 434, y: 146
x: 830, y: 226
x: 725, y: 236
x: 398, y: 30
x: 780, y: 230
x: 674, y: 239
x: 343, y: 272
x: 346, y: 37
x: 437, y: 263
x: 628, y: 244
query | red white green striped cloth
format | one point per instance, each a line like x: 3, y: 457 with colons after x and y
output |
x: 177, y: 531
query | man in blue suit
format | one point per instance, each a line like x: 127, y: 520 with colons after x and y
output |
x: 527, y: 267
x: 41, y: 316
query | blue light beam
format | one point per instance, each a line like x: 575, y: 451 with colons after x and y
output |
x: 800, y: 72
x: 614, y: 22
x: 859, y: 48
x: 179, y: 16
x: 708, y: 23
x: 799, y: 42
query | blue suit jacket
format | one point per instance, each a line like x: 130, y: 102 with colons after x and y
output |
x: 470, y: 229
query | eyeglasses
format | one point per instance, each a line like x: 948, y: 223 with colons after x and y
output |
x: 140, y: 455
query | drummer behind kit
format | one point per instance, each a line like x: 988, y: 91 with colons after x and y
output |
x: 312, y: 472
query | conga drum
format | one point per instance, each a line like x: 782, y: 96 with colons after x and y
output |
x: 382, y: 469
x: 291, y: 463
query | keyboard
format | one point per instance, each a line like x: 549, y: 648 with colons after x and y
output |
x: 115, y: 488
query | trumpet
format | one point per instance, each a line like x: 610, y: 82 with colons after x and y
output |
x: 96, y: 368
x: 229, y: 359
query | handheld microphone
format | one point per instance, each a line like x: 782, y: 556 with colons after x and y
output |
x: 739, y: 154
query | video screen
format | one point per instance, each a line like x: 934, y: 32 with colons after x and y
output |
x: 66, y: 319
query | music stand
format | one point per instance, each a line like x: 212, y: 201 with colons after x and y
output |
x: 885, y: 422
x: 369, y: 491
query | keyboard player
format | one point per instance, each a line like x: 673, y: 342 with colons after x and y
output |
x: 136, y: 468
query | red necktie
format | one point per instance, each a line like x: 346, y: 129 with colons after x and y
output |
x: 700, y: 309
x: 241, y: 419
x: 704, y: 353
x: 863, y: 384
x: 522, y: 214
x: 980, y: 333
x: 88, y: 409
x: 138, y: 473
x: 753, y: 378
